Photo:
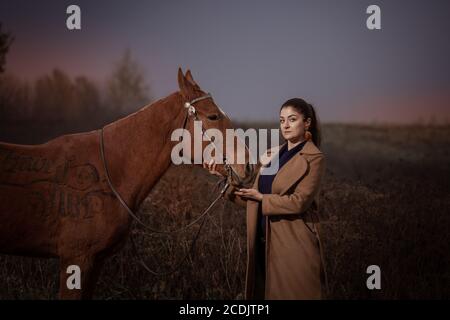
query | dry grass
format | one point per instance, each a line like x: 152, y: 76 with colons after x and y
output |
x: 385, y: 198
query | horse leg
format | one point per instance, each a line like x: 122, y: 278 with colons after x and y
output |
x: 95, y: 274
x: 89, y: 267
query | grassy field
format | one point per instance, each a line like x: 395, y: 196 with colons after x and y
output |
x: 385, y: 200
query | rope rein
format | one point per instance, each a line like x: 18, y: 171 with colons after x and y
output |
x: 191, y: 112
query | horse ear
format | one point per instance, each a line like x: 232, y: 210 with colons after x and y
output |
x: 186, y: 88
x: 191, y: 79
x: 181, y: 79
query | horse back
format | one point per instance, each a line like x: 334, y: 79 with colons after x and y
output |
x: 50, y: 191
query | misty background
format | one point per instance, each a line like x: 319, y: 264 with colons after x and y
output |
x: 252, y: 56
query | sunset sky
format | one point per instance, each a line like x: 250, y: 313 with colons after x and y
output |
x: 253, y: 55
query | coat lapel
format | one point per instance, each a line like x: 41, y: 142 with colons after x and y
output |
x: 294, y: 169
x: 289, y: 174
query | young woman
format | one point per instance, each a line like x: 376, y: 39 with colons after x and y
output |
x: 283, y: 246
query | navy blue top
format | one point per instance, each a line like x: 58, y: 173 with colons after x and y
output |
x: 266, y: 180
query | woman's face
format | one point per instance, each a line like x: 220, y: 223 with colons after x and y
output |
x: 292, y: 125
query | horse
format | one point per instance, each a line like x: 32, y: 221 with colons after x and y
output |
x: 57, y: 199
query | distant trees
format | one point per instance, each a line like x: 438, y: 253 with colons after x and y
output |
x: 88, y: 97
x: 78, y: 103
x: 56, y: 103
x: 126, y: 86
x: 5, y: 42
x: 57, y: 97
x: 15, y: 98
x: 54, y: 98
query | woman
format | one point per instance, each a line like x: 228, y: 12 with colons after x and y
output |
x: 283, y: 246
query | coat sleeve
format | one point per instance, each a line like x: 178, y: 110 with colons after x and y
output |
x: 303, y: 195
x: 229, y: 194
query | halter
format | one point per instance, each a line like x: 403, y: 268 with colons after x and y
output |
x: 192, y: 112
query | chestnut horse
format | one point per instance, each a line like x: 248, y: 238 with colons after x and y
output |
x: 55, y: 199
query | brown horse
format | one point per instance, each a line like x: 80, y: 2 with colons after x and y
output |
x: 55, y: 200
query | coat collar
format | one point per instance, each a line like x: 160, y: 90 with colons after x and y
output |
x: 293, y: 170
x: 308, y: 148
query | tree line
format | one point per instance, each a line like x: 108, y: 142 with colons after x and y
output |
x: 58, y: 99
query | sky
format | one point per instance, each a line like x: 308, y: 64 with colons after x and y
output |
x: 253, y: 55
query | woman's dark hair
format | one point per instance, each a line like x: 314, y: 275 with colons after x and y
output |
x: 307, y: 110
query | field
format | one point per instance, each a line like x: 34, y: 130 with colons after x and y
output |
x: 385, y: 201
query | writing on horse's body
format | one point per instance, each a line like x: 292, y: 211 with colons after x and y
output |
x: 55, y: 200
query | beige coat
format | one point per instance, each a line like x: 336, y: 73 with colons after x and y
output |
x: 294, y: 268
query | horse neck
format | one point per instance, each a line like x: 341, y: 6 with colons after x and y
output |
x: 138, y: 147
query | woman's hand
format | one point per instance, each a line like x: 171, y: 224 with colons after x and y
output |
x: 249, y: 194
x: 211, y: 166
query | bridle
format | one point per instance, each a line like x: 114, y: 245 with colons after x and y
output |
x: 191, y: 112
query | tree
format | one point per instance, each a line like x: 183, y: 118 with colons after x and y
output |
x: 88, y: 97
x: 60, y: 99
x: 15, y: 98
x: 55, y: 98
x: 127, y: 90
x: 5, y: 42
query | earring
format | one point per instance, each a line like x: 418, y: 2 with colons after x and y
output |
x: 308, y: 135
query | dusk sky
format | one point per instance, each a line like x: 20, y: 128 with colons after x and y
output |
x: 253, y: 55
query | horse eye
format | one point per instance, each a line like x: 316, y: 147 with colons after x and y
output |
x: 214, y: 117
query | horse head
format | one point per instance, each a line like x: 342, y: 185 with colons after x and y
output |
x: 236, y: 163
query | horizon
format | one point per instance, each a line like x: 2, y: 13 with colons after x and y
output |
x: 398, y: 74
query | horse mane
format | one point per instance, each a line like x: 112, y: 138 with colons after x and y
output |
x: 145, y: 109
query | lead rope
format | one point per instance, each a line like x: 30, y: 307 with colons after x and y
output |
x: 131, y: 213
x: 127, y: 208
x: 191, y: 249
